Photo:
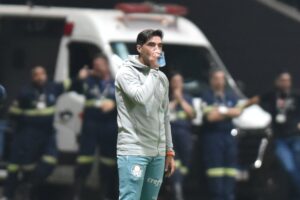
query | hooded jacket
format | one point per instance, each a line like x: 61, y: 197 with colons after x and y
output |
x: 143, y: 112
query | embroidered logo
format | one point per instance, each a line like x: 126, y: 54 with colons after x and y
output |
x: 155, y: 182
x: 136, y: 171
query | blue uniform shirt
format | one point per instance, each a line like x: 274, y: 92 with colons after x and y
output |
x: 179, y: 118
x: 96, y: 91
x: 35, y: 106
x: 211, y: 100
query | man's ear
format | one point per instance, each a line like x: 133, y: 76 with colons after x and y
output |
x: 139, y: 48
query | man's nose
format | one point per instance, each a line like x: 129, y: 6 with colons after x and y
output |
x: 156, y: 49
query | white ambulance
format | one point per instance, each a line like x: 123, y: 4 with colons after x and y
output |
x: 65, y: 39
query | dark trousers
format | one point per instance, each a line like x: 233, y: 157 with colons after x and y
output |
x: 101, y: 135
x: 220, y: 154
x: 287, y: 151
x: 34, y: 154
x: 182, y: 140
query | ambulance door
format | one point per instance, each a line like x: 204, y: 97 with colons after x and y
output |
x: 70, y: 105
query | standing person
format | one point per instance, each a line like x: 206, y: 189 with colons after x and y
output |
x: 99, y: 128
x: 33, y: 151
x: 144, y: 148
x: 283, y: 103
x: 181, y: 114
x: 220, y: 148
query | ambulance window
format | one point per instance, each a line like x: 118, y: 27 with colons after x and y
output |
x: 81, y: 54
x: 24, y: 43
x: 120, y: 49
x: 193, y: 62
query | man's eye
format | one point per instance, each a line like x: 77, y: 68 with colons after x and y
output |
x: 151, y: 44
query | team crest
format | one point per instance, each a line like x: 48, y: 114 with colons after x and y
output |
x: 136, y: 171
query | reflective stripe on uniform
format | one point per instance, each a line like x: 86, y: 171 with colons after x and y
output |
x: 49, y: 159
x: 85, y: 159
x: 39, y: 112
x: 108, y: 161
x: 32, y: 112
x: 12, y: 168
x: 15, y: 110
x: 207, y: 109
x: 29, y: 167
x: 215, y: 172
x: 181, y: 115
x: 67, y: 84
x: 91, y: 103
x: 95, y: 102
x: 183, y: 169
x: 231, y: 172
x: 221, y: 172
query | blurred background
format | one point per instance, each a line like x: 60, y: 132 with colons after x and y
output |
x: 252, y: 41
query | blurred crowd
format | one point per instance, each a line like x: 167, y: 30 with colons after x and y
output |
x: 34, y: 153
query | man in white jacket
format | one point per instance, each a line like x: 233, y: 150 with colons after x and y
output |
x: 144, y: 148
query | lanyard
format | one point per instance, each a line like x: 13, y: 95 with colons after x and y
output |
x: 101, y: 95
x: 283, y: 104
x: 220, y: 100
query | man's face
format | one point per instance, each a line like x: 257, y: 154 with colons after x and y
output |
x: 39, y: 76
x: 284, y: 82
x: 100, y: 66
x: 151, y: 50
x: 217, y: 80
x: 176, y: 82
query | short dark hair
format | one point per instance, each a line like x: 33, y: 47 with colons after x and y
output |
x: 282, y: 72
x: 213, y: 71
x: 37, y: 67
x: 173, y: 73
x: 147, y: 34
x: 100, y: 56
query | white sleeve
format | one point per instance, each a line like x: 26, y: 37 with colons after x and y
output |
x: 137, y: 92
x: 169, y: 141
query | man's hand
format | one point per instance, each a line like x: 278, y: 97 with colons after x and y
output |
x: 215, y: 115
x: 234, y: 112
x: 153, y: 60
x: 169, y: 166
x: 84, y: 73
x: 178, y: 95
x: 107, y: 105
x: 251, y: 101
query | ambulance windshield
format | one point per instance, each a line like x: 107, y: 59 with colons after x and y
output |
x: 193, y: 62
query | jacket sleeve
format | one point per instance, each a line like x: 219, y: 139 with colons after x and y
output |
x: 169, y: 141
x: 131, y: 86
x: 78, y: 86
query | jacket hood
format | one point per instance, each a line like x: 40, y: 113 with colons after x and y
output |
x: 134, y: 61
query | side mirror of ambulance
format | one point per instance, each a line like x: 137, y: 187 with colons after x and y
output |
x: 116, y: 62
